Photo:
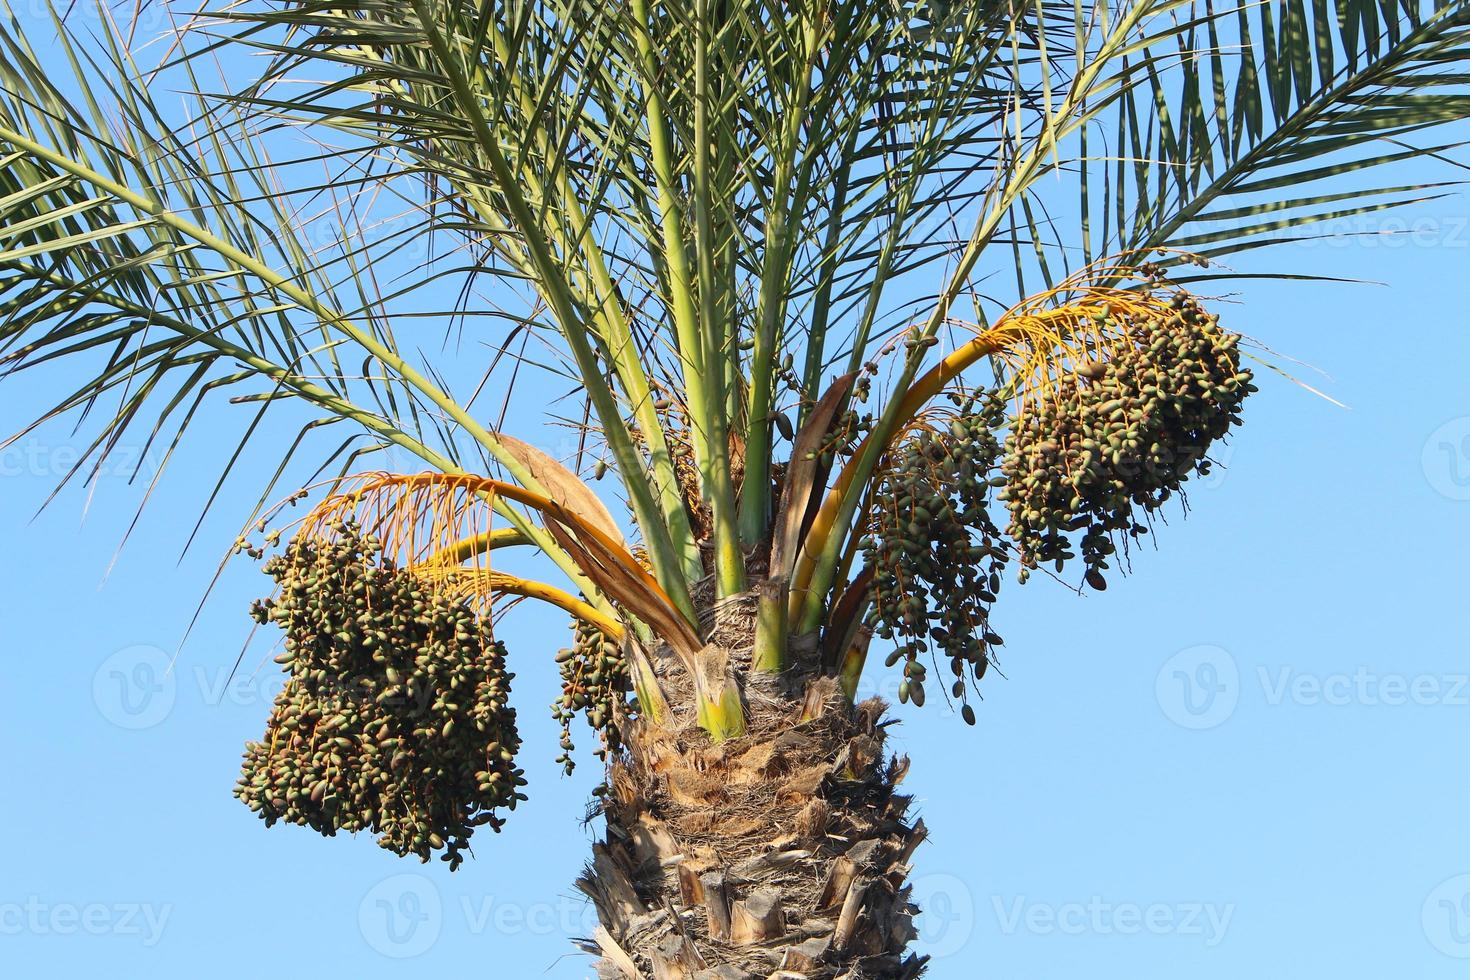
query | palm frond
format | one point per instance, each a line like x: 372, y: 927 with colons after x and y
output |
x: 168, y: 259
x: 1270, y: 121
x: 699, y: 211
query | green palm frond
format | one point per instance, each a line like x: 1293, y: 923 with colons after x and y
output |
x: 1232, y: 139
x: 174, y: 266
x: 699, y: 211
x: 780, y: 167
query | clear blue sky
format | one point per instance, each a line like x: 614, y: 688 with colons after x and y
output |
x: 1247, y: 759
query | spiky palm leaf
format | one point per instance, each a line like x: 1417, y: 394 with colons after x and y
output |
x: 724, y: 185
x: 700, y: 212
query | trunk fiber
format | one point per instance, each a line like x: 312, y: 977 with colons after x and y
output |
x: 781, y: 854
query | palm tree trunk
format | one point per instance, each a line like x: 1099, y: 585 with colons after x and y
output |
x: 779, y: 854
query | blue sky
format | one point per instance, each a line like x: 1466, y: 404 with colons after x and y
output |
x: 1247, y: 758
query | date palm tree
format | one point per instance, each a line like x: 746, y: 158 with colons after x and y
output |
x: 828, y: 287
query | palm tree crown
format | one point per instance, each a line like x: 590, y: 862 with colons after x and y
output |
x: 859, y: 301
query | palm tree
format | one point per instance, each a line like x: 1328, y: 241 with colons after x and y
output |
x: 758, y: 242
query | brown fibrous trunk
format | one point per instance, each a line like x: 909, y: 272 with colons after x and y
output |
x: 782, y: 854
